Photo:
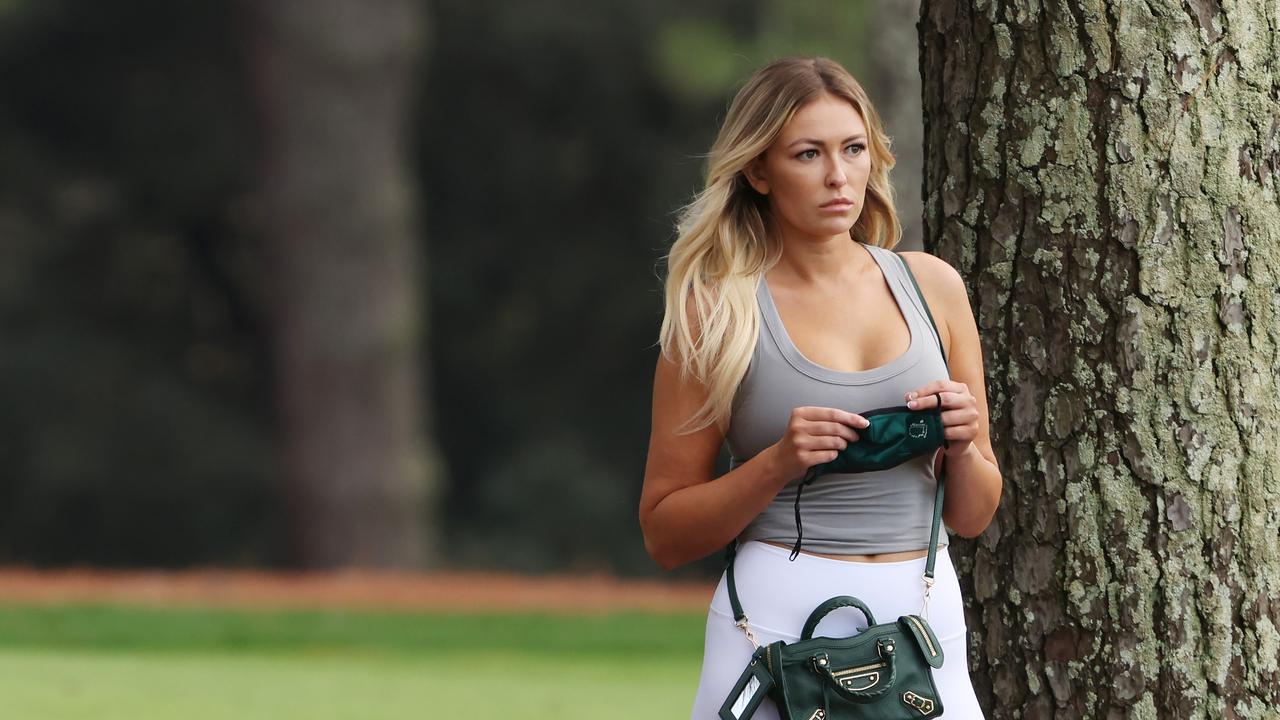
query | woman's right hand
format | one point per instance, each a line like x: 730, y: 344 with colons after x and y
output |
x: 814, y: 435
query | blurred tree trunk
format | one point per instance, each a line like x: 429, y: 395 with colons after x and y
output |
x: 336, y: 81
x: 1105, y: 177
x: 894, y: 85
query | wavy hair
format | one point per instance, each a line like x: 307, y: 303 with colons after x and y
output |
x: 726, y: 238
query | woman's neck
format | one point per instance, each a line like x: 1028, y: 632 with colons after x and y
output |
x: 811, y: 261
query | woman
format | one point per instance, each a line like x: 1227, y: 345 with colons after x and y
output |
x: 787, y: 313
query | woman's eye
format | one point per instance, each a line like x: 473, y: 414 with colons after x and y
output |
x: 808, y: 154
x: 856, y: 146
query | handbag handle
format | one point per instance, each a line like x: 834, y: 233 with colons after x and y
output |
x: 822, y: 665
x: 834, y: 603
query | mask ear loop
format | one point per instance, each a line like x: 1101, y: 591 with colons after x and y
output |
x: 809, y: 477
x: 812, y: 475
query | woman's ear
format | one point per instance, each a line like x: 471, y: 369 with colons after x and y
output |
x: 754, y: 171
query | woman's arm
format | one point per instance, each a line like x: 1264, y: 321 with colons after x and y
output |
x: 973, y: 476
x: 686, y: 513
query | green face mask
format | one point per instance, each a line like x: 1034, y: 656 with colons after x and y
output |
x: 896, y: 434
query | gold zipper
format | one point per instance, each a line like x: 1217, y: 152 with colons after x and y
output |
x: 850, y: 671
x: 924, y: 634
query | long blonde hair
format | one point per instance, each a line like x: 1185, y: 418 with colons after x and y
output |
x: 725, y: 236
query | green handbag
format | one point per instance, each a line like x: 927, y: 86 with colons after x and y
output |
x: 882, y: 673
x: 885, y: 671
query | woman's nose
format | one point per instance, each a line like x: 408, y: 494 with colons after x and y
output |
x: 836, y: 176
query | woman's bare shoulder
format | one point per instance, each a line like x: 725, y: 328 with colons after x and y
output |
x: 934, y: 273
x: 943, y: 288
x: 942, y: 284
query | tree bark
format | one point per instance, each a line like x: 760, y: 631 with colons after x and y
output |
x: 1105, y: 177
x: 335, y: 81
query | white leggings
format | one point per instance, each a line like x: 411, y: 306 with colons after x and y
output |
x: 778, y: 595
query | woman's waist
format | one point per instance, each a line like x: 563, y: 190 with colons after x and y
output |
x: 778, y: 594
x: 881, y: 557
x: 852, y: 534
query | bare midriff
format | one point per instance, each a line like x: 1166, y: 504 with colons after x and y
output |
x: 878, y: 557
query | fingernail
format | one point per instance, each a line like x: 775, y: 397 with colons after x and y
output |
x: 911, y: 404
x: 911, y: 396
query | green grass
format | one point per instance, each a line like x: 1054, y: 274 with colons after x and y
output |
x: 113, y: 662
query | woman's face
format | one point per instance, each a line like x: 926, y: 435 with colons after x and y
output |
x: 815, y: 173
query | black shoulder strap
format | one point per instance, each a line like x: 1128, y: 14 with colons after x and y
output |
x: 925, y: 304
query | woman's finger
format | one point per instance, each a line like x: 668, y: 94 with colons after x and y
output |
x: 938, y: 386
x: 931, y: 387
x: 927, y: 402
x: 832, y: 428
x: 818, y: 413
x: 823, y: 442
x: 959, y: 416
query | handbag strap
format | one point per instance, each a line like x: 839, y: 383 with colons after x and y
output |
x: 942, y: 473
x: 740, y: 617
x: 925, y: 304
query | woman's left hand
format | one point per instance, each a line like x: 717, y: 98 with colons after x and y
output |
x: 959, y: 412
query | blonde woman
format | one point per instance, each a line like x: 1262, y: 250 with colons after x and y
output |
x: 788, y: 312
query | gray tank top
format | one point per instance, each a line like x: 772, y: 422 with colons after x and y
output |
x: 845, y: 513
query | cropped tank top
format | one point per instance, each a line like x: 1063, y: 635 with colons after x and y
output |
x: 844, y: 513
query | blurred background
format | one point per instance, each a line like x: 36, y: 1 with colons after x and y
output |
x: 331, y: 284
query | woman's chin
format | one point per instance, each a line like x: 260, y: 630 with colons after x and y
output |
x: 831, y: 229
x: 822, y: 227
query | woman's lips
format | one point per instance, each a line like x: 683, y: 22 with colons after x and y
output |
x: 838, y: 205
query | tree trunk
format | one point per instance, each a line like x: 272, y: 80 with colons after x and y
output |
x: 1105, y: 178
x: 335, y: 81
